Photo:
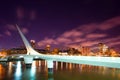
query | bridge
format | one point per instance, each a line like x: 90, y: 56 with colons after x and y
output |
x: 113, y: 62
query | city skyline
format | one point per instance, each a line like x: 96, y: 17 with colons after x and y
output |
x: 61, y: 24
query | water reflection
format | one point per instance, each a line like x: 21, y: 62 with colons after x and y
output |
x: 2, y: 72
x: 61, y: 71
x: 30, y: 73
x: 10, y: 69
x: 18, y: 71
x: 50, y: 75
x: 33, y: 71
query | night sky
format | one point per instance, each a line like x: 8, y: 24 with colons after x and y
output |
x: 60, y: 23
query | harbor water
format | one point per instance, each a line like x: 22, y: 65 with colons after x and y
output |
x: 16, y: 70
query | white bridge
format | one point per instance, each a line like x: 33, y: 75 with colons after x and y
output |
x: 113, y: 62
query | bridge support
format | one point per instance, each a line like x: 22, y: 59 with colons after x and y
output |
x: 50, y: 76
x: 28, y: 61
x: 50, y: 65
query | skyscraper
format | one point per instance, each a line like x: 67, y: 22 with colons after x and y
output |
x: 32, y: 43
x: 102, y: 48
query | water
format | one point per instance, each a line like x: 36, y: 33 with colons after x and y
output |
x: 61, y: 71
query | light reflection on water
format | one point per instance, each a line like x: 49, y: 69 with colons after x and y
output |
x: 2, y: 72
x: 18, y: 72
x: 61, y: 71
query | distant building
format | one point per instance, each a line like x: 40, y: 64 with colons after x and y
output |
x: 47, y: 48
x: 85, y: 50
x: 23, y: 51
x: 3, y: 53
x: 103, y: 49
x: 33, y: 44
x: 17, y: 51
x: 113, y: 53
x: 55, y: 51
x: 73, y: 51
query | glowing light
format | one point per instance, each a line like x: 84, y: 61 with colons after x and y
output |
x: 21, y: 56
x: 10, y: 68
x: 18, y: 72
x: 61, y: 65
x: 70, y: 66
x: 32, y: 71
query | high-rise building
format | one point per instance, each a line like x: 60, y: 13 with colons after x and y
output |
x: 113, y: 53
x: 32, y: 43
x: 102, y: 48
x: 55, y: 51
x: 85, y: 50
x: 47, y: 48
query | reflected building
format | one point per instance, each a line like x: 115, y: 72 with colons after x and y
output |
x: 2, y: 72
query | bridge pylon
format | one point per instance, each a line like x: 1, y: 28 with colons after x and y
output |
x: 31, y: 53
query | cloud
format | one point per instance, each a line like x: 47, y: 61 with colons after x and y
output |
x: 66, y: 38
x: 1, y: 35
x: 63, y: 40
x: 8, y: 33
x: 114, y: 43
x: 105, y: 25
x: 25, y: 30
x: 89, y: 43
x: 96, y: 35
x: 46, y: 41
x: 108, y: 24
x: 73, y: 46
x: 11, y: 27
x: 88, y: 28
x: 72, y: 33
x: 78, y: 39
x: 112, y: 40
x: 87, y: 35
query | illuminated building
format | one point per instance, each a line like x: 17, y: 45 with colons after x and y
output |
x: 85, y: 51
x: 113, y: 53
x: 55, y: 51
x: 32, y: 43
x: 3, y: 52
x: 19, y: 51
x: 72, y: 51
x: 100, y: 47
x: 47, y: 48
x: 103, y: 49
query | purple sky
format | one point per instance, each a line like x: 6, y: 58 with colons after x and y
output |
x: 62, y: 23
